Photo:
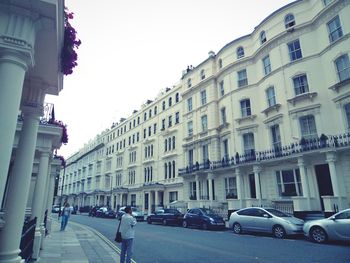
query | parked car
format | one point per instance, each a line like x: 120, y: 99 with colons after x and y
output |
x: 204, y: 218
x: 93, y: 210
x: 166, y: 216
x: 55, y: 209
x: 135, y: 213
x: 105, y: 212
x: 268, y: 220
x: 336, y: 227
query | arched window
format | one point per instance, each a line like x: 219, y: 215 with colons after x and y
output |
x: 174, y: 170
x: 202, y: 74
x: 165, y: 170
x: 165, y: 145
x: 163, y: 105
x: 220, y: 63
x: 240, y: 52
x: 289, y: 21
x: 152, y: 150
x: 174, y: 144
x: 155, y: 110
x: 176, y: 97
x: 145, y: 152
x: 169, y: 167
x: 169, y: 144
x: 151, y: 174
x: 262, y: 37
x: 145, y: 175
x: 170, y: 101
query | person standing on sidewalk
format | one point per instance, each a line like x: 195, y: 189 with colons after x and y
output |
x: 65, y: 216
x: 127, y: 225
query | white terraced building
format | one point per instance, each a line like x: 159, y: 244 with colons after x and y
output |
x: 265, y: 122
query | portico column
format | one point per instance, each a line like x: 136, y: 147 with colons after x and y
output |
x: 239, y: 187
x: 197, y: 188
x: 155, y: 199
x: 18, y: 187
x: 50, y: 196
x: 304, y: 182
x: 149, y: 203
x: 331, y: 158
x: 210, y: 186
x: 13, y: 66
x: 257, y: 170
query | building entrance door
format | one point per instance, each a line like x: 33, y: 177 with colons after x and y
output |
x: 323, y: 181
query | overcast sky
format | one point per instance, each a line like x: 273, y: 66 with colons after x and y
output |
x: 132, y: 49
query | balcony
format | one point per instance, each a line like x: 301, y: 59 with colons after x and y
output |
x: 293, y: 149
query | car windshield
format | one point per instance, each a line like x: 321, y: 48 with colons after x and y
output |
x: 277, y: 213
x: 208, y: 212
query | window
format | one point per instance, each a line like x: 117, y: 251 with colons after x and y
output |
x: 176, y: 97
x: 170, y: 122
x: 163, y: 124
x: 347, y: 113
x: 240, y: 52
x: 270, y: 96
x: 343, y: 67
x: 174, y: 142
x: 300, y: 84
x: 155, y: 128
x: 294, y: 50
x: 203, y: 97
x: 170, y: 101
x: 267, y: 65
x: 205, y: 153
x: 230, y: 187
x: 189, y: 104
x: 262, y: 37
x: 145, y: 116
x: 288, y: 183
x: 289, y: 21
x: 223, y: 115
x: 222, y: 88
x: 190, y: 157
x: 144, y: 133
x: 149, y: 130
x: 172, y: 196
x: 138, y: 120
x: 334, y: 29
x: 163, y: 105
x: 202, y: 74
x: 204, y: 121
x: 177, y: 117
x: 308, y: 127
x: 150, y: 113
x: 225, y: 147
x: 193, y: 191
x: 220, y: 63
x: 155, y: 110
x: 190, y: 128
x: 189, y: 83
x: 242, y: 78
x: 245, y: 108
x: 276, y: 137
x: 248, y: 143
x: 166, y: 145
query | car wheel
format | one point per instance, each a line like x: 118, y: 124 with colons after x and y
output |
x: 318, y: 235
x: 149, y: 221
x: 205, y: 226
x: 184, y: 224
x: 278, y: 231
x: 237, y: 229
x: 165, y: 222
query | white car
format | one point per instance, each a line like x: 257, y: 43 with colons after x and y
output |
x: 336, y: 227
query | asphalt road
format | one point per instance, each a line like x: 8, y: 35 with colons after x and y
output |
x: 171, y: 244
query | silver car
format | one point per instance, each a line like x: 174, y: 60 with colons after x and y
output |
x: 336, y: 227
x: 268, y: 220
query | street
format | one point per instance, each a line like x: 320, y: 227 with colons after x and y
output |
x: 170, y: 244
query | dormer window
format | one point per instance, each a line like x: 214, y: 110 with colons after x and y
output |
x: 262, y: 37
x: 289, y: 21
x: 240, y: 52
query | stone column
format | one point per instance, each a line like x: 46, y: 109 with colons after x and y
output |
x: 149, y: 203
x: 197, y: 188
x: 13, y: 65
x: 156, y: 199
x: 304, y: 182
x: 38, y: 202
x: 210, y: 185
x: 257, y: 171
x: 331, y: 158
x: 50, y: 195
x: 239, y: 187
x: 18, y: 187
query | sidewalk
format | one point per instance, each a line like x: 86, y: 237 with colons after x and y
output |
x: 77, y: 244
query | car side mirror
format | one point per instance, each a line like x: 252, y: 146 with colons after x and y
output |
x: 333, y: 218
x: 266, y: 216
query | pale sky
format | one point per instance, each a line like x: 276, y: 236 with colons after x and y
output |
x: 132, y: 49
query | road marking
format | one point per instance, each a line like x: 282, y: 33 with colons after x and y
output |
x: 102, y: 237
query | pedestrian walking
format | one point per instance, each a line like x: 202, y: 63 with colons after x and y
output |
x: 65, y: 214
x: 127, y: 230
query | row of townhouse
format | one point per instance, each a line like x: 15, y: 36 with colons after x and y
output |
x: 265, y: 122
x: 31, y: 41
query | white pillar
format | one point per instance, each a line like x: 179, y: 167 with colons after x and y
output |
x: 156, y: 199
x: 210, y: 186
x: 304, y: 182
x: 257, y: 170
x: 149, y: 203
x: 13, y: 66
x: 331, y: 158
x: 38, y: 202
x: 18, y: 188
x: 197, y: 188
x: 239, y: 187
x: 50, y: 196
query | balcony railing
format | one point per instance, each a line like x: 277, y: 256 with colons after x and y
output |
x: 331, y: 141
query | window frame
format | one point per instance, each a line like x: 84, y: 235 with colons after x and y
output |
x: 336, y: 33
x: 271, y: 99
x: 300, y: 84
x: 240, y: 52
x: 346, y: 67
x: 242, y: 78
x: 294, y: 50
x: 246, y: 109
x: 289, y: 21
x: 310, y: 121
x: 266, y: 66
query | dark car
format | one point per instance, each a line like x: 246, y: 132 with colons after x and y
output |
x: 105, y: 212
x: 204, y: 218
x: 93, y: 210
x: 166, y: 217
x: 138, y: 214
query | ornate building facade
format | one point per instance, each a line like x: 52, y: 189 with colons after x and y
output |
x: 264, y: 122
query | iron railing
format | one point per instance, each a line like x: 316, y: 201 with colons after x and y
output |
x: 27, y: 239
x: 331, y: 141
